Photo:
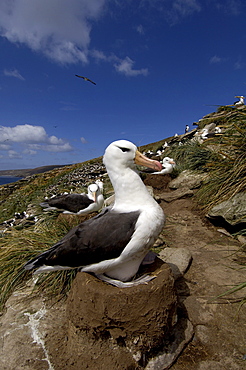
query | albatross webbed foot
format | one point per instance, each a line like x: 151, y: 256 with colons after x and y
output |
x: 144, y: 279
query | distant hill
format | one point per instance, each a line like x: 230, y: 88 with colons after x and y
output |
x: 29, y: 171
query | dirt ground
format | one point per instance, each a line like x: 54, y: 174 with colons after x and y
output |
x: 219, y: 325
x: 220, y: 329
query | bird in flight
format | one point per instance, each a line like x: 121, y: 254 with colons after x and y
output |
x: 86, y: 79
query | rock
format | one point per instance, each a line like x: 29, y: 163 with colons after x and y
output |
x: 183, y: 333
x: 241, y: 239
x: 225, y: 232
x: 22, y: 332
x: 232, y: 210
x: 187, y: 179
x: 178, y: 259
x: 210, y: 127
x: 176, y: 194
x: 113, y: 328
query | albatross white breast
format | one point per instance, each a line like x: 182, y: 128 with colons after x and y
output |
x: 116, y: 241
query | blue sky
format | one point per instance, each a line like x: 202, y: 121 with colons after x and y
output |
x: 158, y: 65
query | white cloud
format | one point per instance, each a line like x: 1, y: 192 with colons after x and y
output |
x: 239, y: 64
x: 184, y: 8
x: 125, y: 67
x: 58, y: 28
x: 13, y: 73
x: 14, y: 154
x: 4, y: 147
x: 83, y: 140
x: 173, y: 10
x: 231, y: 7
x: 140, y: 29
x: 65, y: 147
x: 29, y: 152
x: 55, y: 141
x: 99, y: 55
x: 33, y: 138
x: 215, y: 60
x: 23, y: 133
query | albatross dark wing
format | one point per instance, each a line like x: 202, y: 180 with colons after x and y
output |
x: 70, y: 202
x: 86, y: 79
x: 100, y: 238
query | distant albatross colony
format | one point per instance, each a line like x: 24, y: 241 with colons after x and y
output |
x: 112, y: 244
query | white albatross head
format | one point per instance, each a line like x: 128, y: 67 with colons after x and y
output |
x: 93, y: 192
x: 124, y: 154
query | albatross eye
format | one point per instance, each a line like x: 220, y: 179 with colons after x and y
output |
x: 125, y: 149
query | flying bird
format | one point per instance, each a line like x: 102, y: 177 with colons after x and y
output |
x: 86, y: 79
x: 113, y: 244
x: 77, y: 203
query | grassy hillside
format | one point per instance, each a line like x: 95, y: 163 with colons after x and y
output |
x: 222, y: 157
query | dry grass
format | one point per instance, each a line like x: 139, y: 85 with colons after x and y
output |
x: 19, y: 247
x: 227, y: 175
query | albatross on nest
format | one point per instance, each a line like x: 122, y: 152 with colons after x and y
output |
x: 168, y: 165
x: 77, y: 203
x: 116, y: 241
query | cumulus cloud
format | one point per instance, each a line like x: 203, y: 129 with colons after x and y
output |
x: 125, y: 66
x: 23, y: 133
x: 14, y: 154
x: 32, y: 138
x: 29, y: 152
x: 58, y: 28
x: 13, y: 73
x: 122, y: 66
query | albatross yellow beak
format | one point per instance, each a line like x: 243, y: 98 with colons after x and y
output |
x: 94, y: 194
x: 141, y: 160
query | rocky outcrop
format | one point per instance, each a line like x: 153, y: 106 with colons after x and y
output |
x: 177, y: 194
x: 233, y: 210
x: 187, y: 179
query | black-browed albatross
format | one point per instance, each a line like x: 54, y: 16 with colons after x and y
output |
x: 77, y: 203
x: 113, y: 244
x: 168, y: 165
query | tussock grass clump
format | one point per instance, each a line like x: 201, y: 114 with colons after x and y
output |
x: 19, y: 247
x: 191, y: 156
x: 227, y: 174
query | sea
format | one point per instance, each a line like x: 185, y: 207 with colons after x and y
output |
x: 7, y: 180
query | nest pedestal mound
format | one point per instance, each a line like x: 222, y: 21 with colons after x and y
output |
x: 118, y: 328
